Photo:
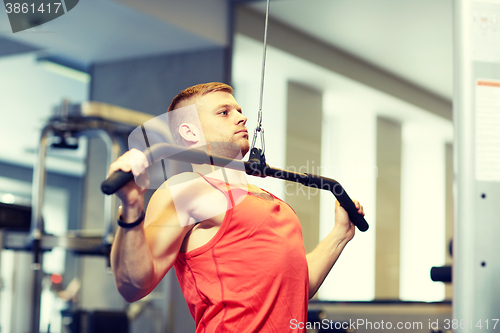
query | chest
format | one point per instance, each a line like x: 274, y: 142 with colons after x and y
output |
x: 211, y: 206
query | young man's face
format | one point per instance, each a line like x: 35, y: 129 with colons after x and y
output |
x: 222, y: 119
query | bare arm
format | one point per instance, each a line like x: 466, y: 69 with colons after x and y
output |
x: 321, y: 260
x: 141, y: 256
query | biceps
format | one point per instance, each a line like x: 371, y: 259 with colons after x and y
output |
x: 164, y: 232
x: 164, y: 242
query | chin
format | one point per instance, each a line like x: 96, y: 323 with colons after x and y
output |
x: 244, y: 152
x: 244, y: 149
x: 241, y: 153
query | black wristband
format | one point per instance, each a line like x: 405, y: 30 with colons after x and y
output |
x: 132, y: 224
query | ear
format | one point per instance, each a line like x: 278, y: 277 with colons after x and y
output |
x: 190, y: 133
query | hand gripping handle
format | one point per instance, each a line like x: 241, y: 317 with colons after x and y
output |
x: 116, y: 181
x: 342, y: 196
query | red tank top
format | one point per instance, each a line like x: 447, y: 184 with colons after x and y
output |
x: 252, y: 276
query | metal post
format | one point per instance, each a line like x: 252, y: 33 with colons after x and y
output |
x: 37, y: 227
x: 114, y: 149
x: 1, y: 281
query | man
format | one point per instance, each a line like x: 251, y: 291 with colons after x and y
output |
x: 237, y: 249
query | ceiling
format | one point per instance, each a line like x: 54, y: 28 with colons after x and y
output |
x: 102, y: 30
x: 411, y: 39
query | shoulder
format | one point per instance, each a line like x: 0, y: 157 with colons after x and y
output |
x: 179, y: 190
x: 176, y: 185
x: 169, y: 204
x: 188, y: 184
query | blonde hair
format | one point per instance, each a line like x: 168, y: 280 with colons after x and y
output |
x: 198, y: 90
x: 175, y: 119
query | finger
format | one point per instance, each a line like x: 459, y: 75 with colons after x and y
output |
x: 356, y: 203
x: 118, y: 165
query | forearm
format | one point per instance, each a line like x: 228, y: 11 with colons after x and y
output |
x: 321, y: 260
x: 131, y: 259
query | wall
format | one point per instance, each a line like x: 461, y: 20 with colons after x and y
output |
x: 363, y: 157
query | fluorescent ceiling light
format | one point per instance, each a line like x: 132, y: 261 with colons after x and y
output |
x: 64, y: 70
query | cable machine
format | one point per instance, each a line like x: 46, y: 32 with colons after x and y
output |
x: 476, y: 117
x: 90, y: 119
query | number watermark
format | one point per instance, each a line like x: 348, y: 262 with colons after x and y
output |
x: 27, y: 14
